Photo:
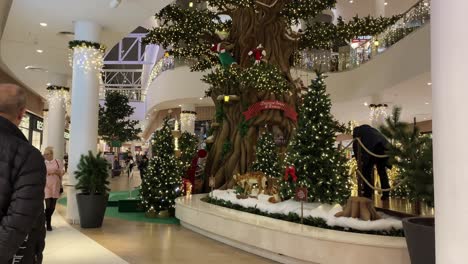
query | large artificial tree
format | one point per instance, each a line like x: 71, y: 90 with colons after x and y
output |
x: 224, y: 36
x: 162, y: 183
x: 114, y: 119
x: 318, y: 165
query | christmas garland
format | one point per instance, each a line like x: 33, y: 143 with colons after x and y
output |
x: 57, y: 88
x: 85, y: 44
x: 188, y: 112
x: 295, y: 218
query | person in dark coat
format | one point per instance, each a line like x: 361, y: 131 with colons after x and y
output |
x: 22, y: 182
x: 143, y: 165
x: 373, y: 140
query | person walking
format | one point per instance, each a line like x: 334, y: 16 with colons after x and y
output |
x: 374, y: 141
x: 55, y: 171
x: 22, y: 182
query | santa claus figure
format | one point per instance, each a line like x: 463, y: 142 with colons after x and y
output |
x: 258, y: 54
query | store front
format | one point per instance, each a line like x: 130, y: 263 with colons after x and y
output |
x: 32, y: 127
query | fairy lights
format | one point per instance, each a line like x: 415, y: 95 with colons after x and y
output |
x: 187, y: 121
x: 86, y: 55
x: 378, y: 112
x: 57, y: 95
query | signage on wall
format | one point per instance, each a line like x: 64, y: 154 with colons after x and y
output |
x: 256, y: 108
x: 361, y: 39
x: 39, y: 125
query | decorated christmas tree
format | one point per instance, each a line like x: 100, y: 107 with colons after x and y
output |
x: 267, y: 160
x: 312, y: 160
x: 162, y: 183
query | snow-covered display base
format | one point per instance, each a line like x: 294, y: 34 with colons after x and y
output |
x: 316, y: 210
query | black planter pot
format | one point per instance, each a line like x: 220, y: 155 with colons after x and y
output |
x: 91, y: 209
x: 420, y: 237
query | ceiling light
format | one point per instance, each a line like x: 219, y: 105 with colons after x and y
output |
x: 180, y: 105
x: 385, y: 3
x: 201, y: 98
x: 39, y: 51
x: 366, y: 104
x: 114, y: 3
x: 48, y: 84
x: 427, y: 103
x: 429, y: 83
x: 43, y: 24
x: 351, y: 1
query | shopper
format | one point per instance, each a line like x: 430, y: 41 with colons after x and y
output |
x: 143, y: 165
x: 55, y: 171
x: 374, y: 141
x: 22, y: 182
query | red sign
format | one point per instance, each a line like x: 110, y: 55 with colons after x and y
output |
x: 255, y: 109
x: 301, y: 194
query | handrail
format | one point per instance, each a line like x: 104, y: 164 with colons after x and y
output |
x: 349, y: 58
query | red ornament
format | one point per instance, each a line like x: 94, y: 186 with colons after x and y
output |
x: 291, y: 170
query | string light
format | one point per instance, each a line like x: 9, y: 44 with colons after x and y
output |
x: 87, y: 58
x: 57, y: 95
x: 187, y: 121
x: 378, y: 112
x: 164, y: 64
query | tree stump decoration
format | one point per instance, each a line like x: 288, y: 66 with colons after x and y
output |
x: 359, y: 207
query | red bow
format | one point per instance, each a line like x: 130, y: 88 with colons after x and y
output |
x: 291, y: 170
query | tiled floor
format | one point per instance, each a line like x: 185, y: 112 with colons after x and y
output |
x: 145, y: 243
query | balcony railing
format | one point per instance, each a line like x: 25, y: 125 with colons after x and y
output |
x: 134, y: 95
x: 352, y: 56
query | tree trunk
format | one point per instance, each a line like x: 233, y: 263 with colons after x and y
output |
x: 250, y: 29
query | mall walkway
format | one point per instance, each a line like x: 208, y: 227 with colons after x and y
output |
x: 136, y: 242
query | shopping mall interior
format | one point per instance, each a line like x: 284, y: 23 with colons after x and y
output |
x: 246, y: 131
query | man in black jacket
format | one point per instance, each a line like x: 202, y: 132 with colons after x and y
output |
x: 374, y: 141
x: 22, y: 181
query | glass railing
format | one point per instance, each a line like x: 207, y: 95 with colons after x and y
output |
x: 366, y: 47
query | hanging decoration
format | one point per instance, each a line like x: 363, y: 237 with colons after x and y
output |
x: 57, y: 94
x: 86, y: 55
x: 378, y: 112
x: 187, y: 121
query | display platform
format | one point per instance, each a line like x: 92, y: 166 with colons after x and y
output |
x: 287, y: 242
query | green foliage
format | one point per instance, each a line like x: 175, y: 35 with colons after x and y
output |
x: 295, y: 10
x: 243, y: 127
x: 188, y: 145
x: 224, y: 80
x: 319, y: 166
x: 83, y: 43
x: 114, y: 122
x: 295, y: 218
x: 266, y: 159
x: 411, y: 152
x: 162, y: 182
x: 91, y: 174
x: 220, y: 114
x: 330, y: 36
x: 264, y: 77
x: 227, y: 147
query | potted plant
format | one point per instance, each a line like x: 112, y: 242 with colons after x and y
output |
x: 411, y: 152
x: 92, y: 174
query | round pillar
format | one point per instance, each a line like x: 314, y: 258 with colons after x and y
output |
x: 378, y: 111
x: 449, y: 109
x: 58, y: 98
x: 380, y: 7
x: 87, y: 64
x: 187, y: 119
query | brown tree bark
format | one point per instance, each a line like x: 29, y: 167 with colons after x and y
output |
x: 252, y: 27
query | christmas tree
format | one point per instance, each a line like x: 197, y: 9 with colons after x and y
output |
x: 318, y: 165
x: 162, y: 183
x: 267, y: 160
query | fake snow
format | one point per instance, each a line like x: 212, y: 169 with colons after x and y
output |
x: 324, y: 211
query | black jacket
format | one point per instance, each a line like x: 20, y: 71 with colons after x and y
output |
x: 22, y: 182
x: 371, y: 138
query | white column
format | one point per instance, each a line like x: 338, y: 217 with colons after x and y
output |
x: 57, y: 100
x: 84, y: 107
x: 380, y: 7
x: 187, y: 118
x: 450, y: 110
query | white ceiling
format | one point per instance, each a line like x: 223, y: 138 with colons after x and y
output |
x: 23, y: 35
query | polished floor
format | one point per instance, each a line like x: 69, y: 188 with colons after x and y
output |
x: 145, y: 243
